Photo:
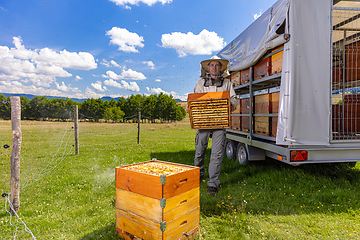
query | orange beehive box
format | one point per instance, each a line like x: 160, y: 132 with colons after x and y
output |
x: 235, y: 122
x: 274, y: 122
x: 209, y: 110
x: 262, y: 68
x: 157, y: 200
x: 276, y: 60
x: 235, y: 79
x: 244, y: 105
x: 245, y: 124
x: 237, y: 107
x: 245, y: 76
x: 262, y: 125
x: 262, y: 105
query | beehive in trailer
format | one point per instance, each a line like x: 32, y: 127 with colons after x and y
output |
x: 209, y: 110
x: 157, y: 200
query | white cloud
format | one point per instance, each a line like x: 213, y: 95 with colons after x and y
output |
x: 174, y: 94
x: 65, y: 88
x: 127, y: 41
x: 65, y: 59
x: 150, y: 64
x: 157, y: 80
x: 188, y: 43
x: 136, y: 2
x: 125, y: 74
x: 98, y: 86
x: 132, y: 86
x: 112, y: 63
x: 77, y: 78
x: 40, y: 67
x: 91, y: 94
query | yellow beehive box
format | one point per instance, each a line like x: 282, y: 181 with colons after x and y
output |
x: 276, y: 60
x: 157, y: 200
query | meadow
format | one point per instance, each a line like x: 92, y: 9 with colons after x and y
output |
x: 68, y: 196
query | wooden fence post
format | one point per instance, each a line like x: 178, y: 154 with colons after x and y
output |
x: 15, y: 152
x: 76, y: 128
x: 139, y: 118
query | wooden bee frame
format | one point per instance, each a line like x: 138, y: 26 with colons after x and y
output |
x: 209, y: 110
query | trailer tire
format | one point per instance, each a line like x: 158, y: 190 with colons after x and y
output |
x: 230, y: 149
x: 242, y: 154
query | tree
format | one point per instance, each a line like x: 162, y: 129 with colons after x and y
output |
x: 26, y: 110
x: 133, y: 105
x: 5, y: 107
x: 92, y: 108
x: 40, y: 107
x: 149, y: 105
x: 114, y: 113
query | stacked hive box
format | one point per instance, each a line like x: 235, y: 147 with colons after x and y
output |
x: 277, y: 59
x: 262, y: 68
x: 235, y: 79
x: 275, y: 94
x: 157, y: 200
x: 244, y: 76
x: 209, y: 110
x: 245, y: 109
x: 262, y: 105
x: 235, y: 120
x: 266, y: 102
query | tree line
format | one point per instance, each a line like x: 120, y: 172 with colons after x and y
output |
x: 161, y: 107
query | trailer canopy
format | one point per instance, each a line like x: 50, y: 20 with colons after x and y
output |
x: 305, y: 90
x: 263, y: 34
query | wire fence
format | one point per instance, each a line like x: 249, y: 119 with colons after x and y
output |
x: 64, y: 148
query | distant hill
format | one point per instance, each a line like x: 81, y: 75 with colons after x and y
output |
x: 30, y: 96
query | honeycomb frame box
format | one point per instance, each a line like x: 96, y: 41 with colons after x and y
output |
x: 157, y: 206
x: 210, y: 110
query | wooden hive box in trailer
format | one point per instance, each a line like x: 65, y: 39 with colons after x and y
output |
x: 157, y: 200
x: 277, y: 59
x: 244, y: 76
x: 262, y: 105
x: 262, y: 68
x: 209, y: 110
x: 235, y: 79
x: 235, y: 120
x: 274, y: 96
x: 245, y: 109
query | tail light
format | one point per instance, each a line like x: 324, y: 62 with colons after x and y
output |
x: 298, y: 156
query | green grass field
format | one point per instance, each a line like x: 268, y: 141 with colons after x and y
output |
x: 68, y: 196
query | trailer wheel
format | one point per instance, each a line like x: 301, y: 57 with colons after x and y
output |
x: 230, y: 149
x: 241, y: 154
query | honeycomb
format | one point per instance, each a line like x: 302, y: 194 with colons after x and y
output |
x: 157, y: 168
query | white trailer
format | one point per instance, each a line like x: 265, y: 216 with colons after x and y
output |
x: 318, y: 117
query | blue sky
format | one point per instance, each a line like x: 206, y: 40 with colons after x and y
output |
x: 96, y: 48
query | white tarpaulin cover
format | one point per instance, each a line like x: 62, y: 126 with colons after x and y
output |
x: 304, y: 107
x: 304, y: 111
x: 261, y: 36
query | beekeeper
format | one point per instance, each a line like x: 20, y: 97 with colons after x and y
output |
x: 212, y: 79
